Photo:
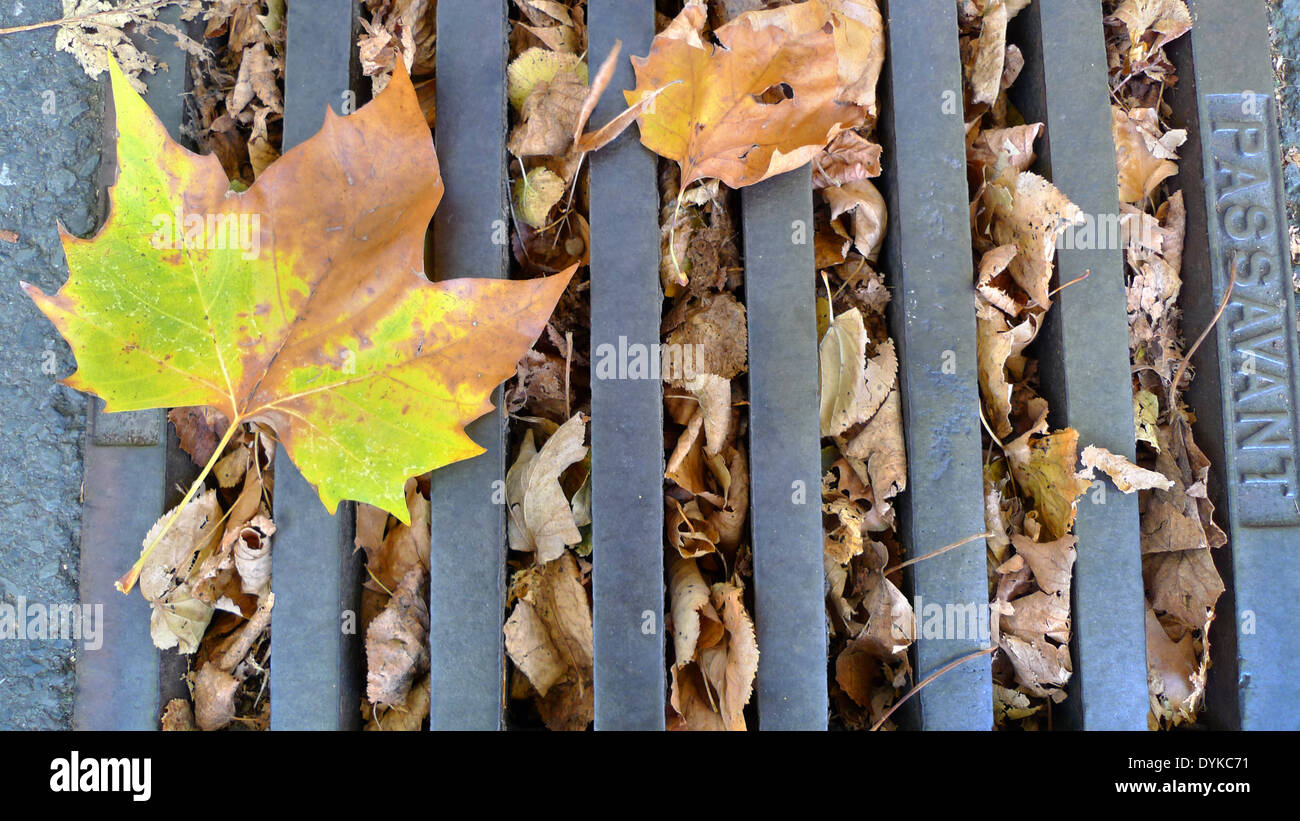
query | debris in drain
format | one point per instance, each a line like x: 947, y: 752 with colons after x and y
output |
x: 1178, y: 530
x: 801, y: 70
x: 548, y: 629
x: 1029, y: 477
x: 236, y: 107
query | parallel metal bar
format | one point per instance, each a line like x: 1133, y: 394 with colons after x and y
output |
x: 117, y: 683
x: 467, y: 559
x: 785, y: 453
x: 125, y: 476
x: 1085, y: 359
x: 627, y: 455
x: 315, y: 682
x: 928, y: 258
x: 1245, y: 392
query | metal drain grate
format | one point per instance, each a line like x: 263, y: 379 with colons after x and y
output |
x: 1247, y: 417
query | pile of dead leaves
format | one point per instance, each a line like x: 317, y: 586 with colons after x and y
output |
x: 1178, y: 530
x: 706, y: 497
x: 236, y: 110
x: 92, y: 30
x: 548, y: 632
x: 870, y: 622
x: 395, y: 612
x: 1030, y: 484
x: 208, y: 582
x: 400, y: 28
x: 807, y: 72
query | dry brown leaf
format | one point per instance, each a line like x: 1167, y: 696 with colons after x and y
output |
x: 397, y: 642
x: 252, y: 555
x: 729, y: 666
x: 990, y: 54
x: 1140, y: 171
x: 178, y: 619
x: 853, y: 388
x: 866, y: 207
x: 712, y: 115
x: 882, y: 447
x: 1127, y: 476
x: 1052, y: 563
x: 1044, y: 469
x: 1031, y: 214
x: 389, y: 557
x: 850, y: 157
x: 530, y: 648
x: 541, y: 519
x: 199, y: 429
x: 716, y: 335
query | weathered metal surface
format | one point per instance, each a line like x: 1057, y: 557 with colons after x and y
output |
x: 927, y: 261
x: 1083, y: 354
x: 467, y: 558
x: 785, y: 453
x: 627, y: 456
x: 1245, y: 391
x: 315, y: 681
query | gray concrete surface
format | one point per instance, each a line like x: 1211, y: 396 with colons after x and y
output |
x: 50, y: 115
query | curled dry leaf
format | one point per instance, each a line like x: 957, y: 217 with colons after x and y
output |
x: 541, y: 519
x: 178, y: 617
x: 1127, y: 476
x: 397, y: 642
x: 853, y: 388
x: 849, y: 157
x: 867, y: 210
x: 990, y: 54
x: 253, y: 555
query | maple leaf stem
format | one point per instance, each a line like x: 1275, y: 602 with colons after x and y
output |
x: 128, y: 579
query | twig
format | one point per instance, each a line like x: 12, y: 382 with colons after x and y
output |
x: 950, y: 665
x: 568, y: 361
x: 985, y: 535
x: 988, y: 428
x: 1178, y: 377
x: 248, y: 634
x: 1087, y: 273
